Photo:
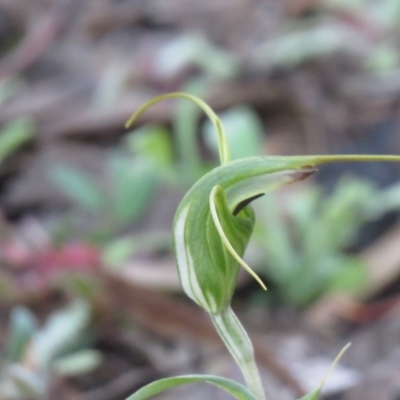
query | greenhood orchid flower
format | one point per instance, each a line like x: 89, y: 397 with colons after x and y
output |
x: 214, y: 223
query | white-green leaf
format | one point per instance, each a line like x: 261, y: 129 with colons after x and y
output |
x: 80, y: 362
x: 22, y: 326
x: 61, y: 330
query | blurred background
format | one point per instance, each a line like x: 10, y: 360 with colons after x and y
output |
x: 90, y: 302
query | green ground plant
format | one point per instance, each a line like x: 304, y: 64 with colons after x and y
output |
x: 33, y: 355
x: 305, y: 247
x: 212, y: 228
x: 132, y: 182
x: 334, y: 28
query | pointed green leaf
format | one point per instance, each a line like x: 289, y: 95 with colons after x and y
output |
x: 237, y: 390
x: 314, y: 395
x: 14, y: 135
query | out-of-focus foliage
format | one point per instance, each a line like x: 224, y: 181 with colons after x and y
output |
x: 305, y: 248
x: 18, y: 132
x: 34, y: 355
x: 196, y: 50
x: 14, y: 135
x: 132, y: 183
x: 360, y: 28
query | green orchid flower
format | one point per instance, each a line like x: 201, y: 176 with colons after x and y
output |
x: 213, y: 225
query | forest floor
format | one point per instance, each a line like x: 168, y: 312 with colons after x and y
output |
x: 76, y: 224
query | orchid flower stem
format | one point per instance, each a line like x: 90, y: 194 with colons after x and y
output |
x: 239, y: 345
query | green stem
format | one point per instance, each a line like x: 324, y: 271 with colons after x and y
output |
x: 224, y: 152
x: 239, y: 345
